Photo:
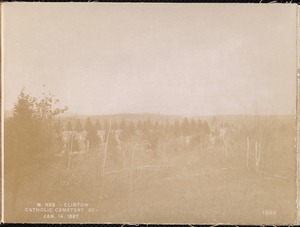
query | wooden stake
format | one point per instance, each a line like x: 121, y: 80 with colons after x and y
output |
x: 105, y: 149
x: 70, y: 153
x: 248, y: 151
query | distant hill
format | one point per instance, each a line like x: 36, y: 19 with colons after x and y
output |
x: 126, y: 117
x: 231, y: 119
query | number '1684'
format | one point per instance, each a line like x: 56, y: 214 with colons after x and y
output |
x: 269, y: 212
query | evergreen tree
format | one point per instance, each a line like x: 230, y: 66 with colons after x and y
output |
x: 25, y: 125
x: 75, y: 145
x: 123, y: 125
x: 176, y: 128
x: 69, y: 126
x: 98, y: 125
x: 145, y: 127
x: 149, y: 124
x: 78, y: 126
x: 92, y: 136
x: 106, y: 126
x: 139, y: 125
x: 112, y: 147
x: 131, y: 129
x: 193, y: 126
x: 167, y: 126
x: 58, y: 126
x: 206, y: 128
x: 199, y: 126
x: 214, y: 119
x: 185, y: 127
x: 114, y: 125
x: 30, y: 137
x: 126, y: 130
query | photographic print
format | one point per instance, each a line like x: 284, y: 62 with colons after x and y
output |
x: 155, y: 113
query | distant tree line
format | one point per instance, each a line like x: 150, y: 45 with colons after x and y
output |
x: 183, y: 127
x: 153, y: 131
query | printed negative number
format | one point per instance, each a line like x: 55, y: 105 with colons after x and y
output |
x: 269, y: 212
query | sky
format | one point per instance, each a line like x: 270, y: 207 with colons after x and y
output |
x: 179, y: 59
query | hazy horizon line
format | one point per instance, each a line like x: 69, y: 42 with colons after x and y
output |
x: 72, y: 114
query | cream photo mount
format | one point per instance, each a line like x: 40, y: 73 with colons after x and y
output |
x: 150, y: 113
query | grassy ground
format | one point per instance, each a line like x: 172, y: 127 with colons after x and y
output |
x: 184, y: 185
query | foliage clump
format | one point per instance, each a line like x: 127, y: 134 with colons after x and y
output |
x: 31, y: 134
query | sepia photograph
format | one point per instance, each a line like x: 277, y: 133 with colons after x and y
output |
x: 149, y: 113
